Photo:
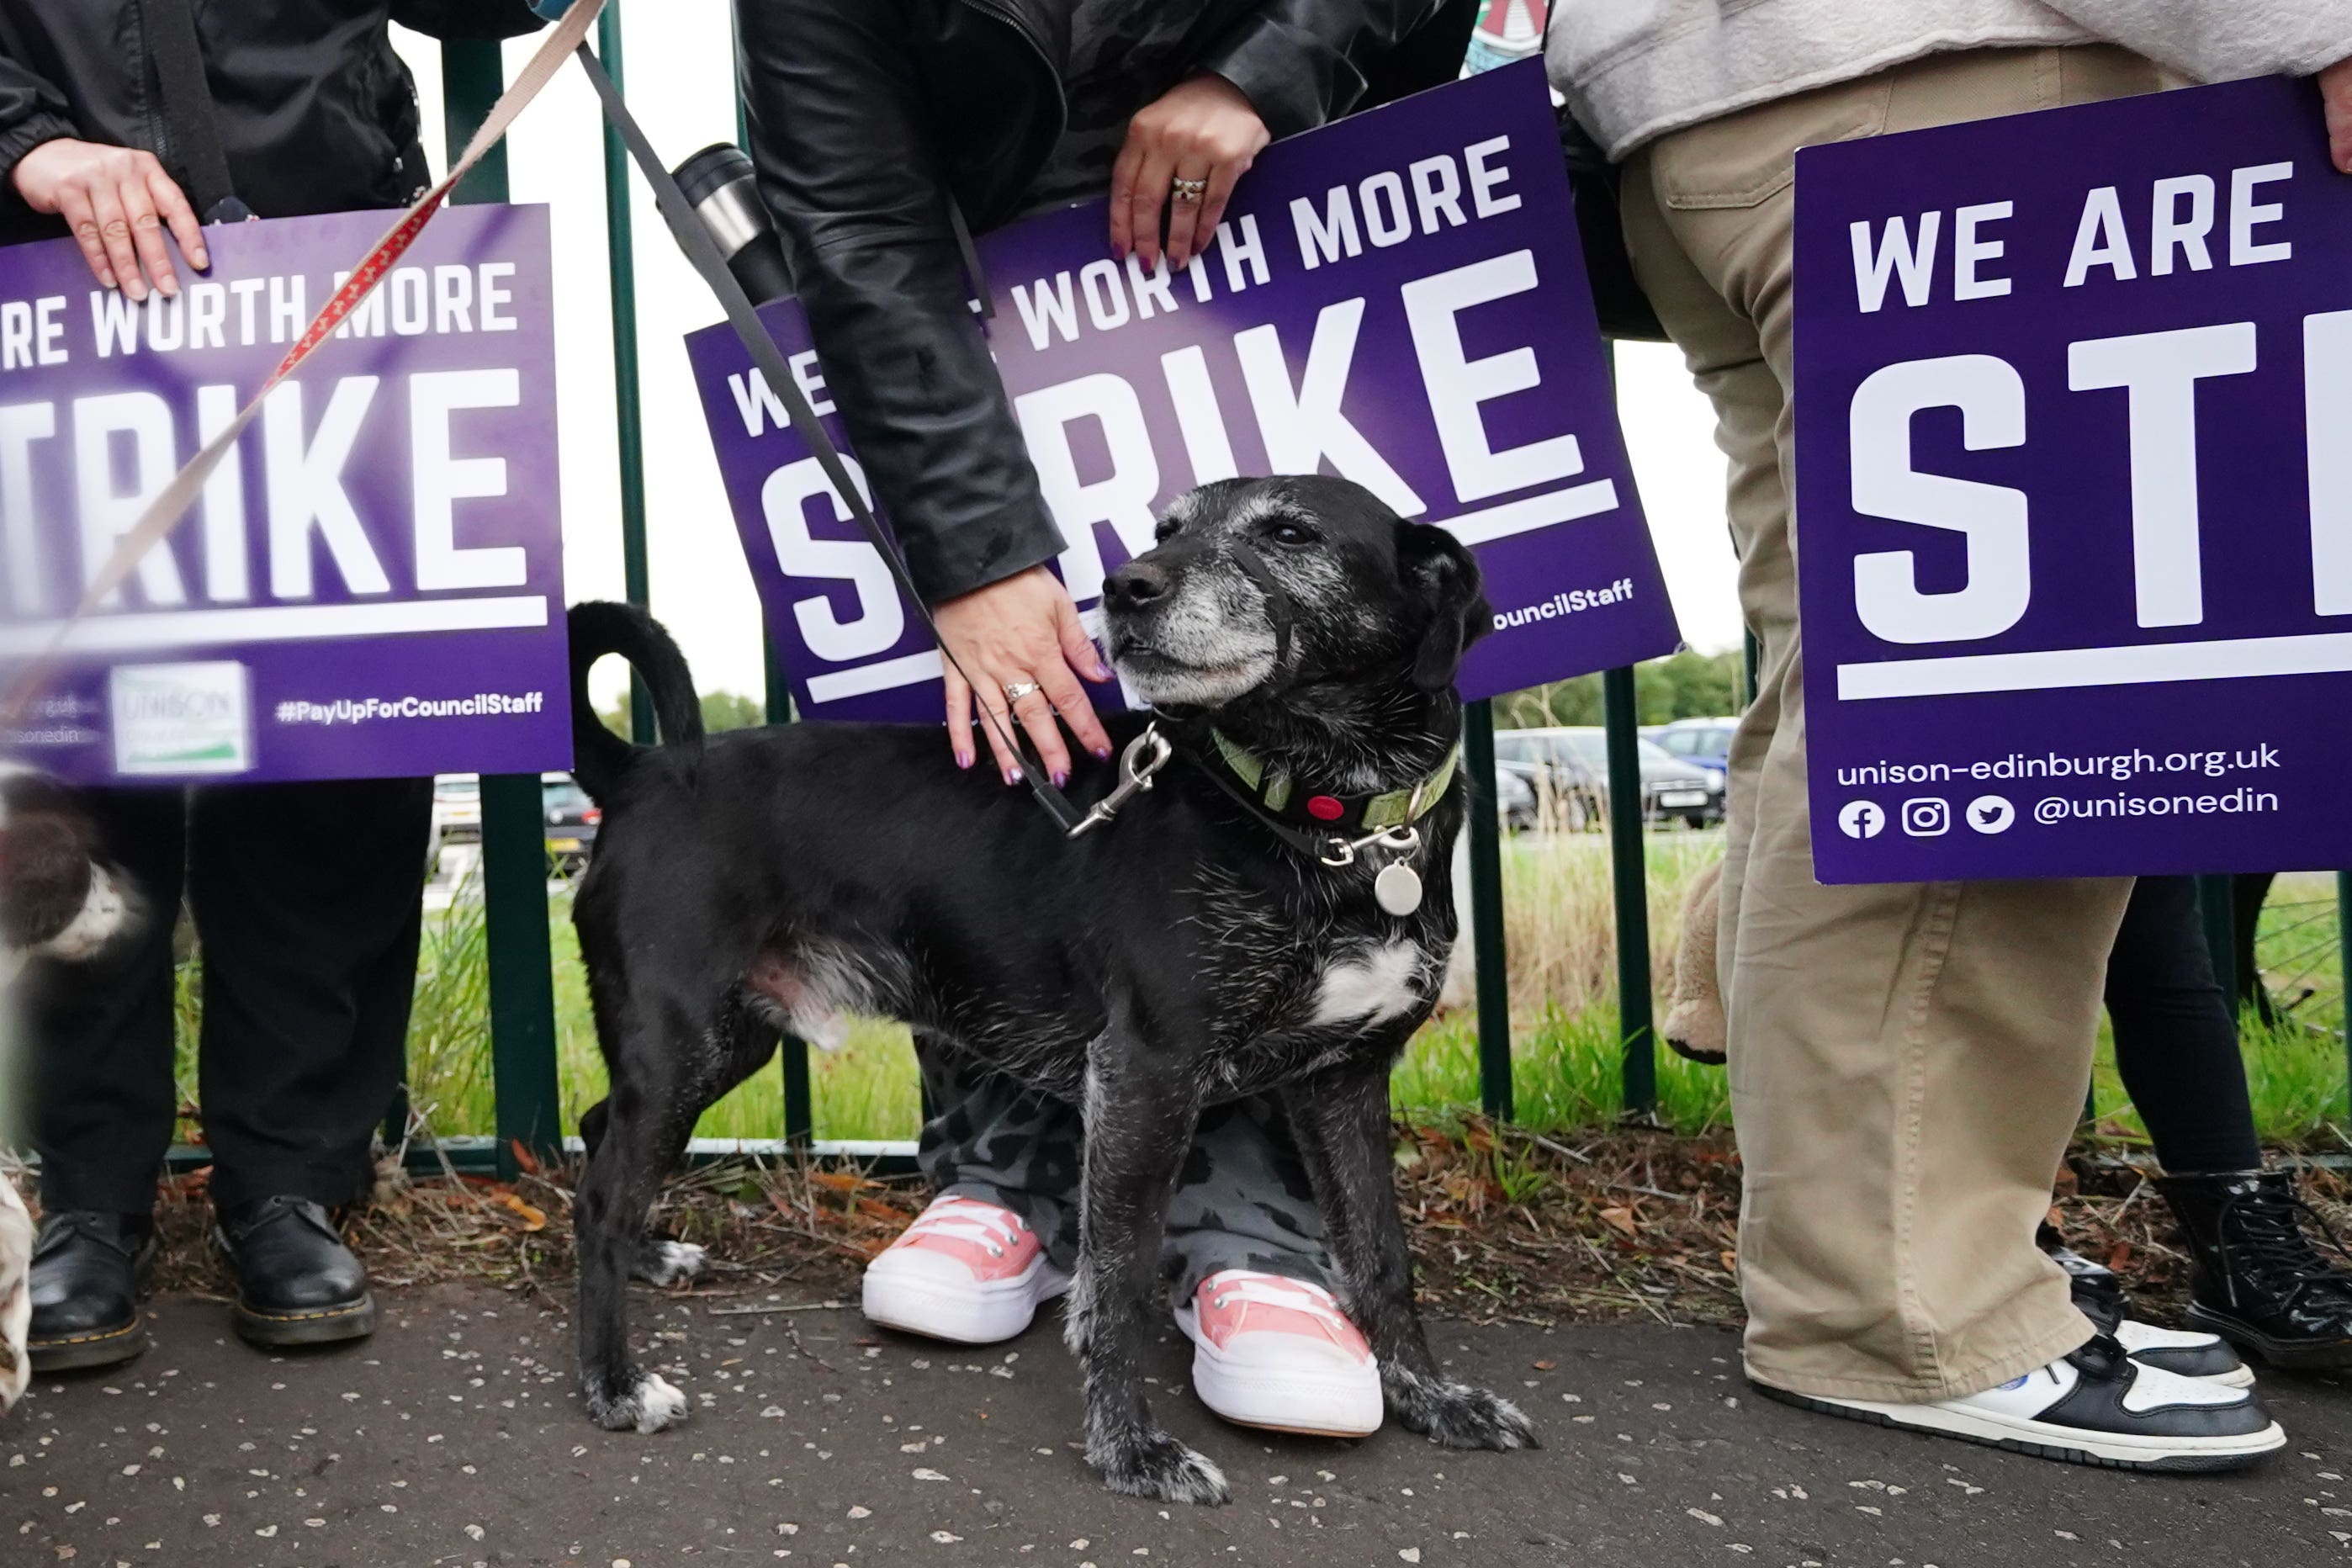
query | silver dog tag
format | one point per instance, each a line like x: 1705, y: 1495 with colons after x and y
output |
x: 1397, y: 888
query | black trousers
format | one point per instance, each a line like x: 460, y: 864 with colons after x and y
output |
x: 308, y: 902
x: 2177, y: 1035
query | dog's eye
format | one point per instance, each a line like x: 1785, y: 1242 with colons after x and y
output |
x: 1291, y: 534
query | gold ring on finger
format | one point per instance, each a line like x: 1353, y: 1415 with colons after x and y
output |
x: 1188, y: 190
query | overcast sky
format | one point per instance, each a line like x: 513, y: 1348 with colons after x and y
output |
x: 679, y: 81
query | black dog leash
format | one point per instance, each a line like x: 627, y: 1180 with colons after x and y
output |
x: 1279, y: 607
x: 702, y: 251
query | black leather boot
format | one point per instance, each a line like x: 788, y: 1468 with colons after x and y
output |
x: 2262, y: 1281
x: 2099, y: 1295
x: 296, y: 1283
x: 88, y: 1272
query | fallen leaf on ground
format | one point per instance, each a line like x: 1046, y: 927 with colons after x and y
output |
x: 532, y: 1218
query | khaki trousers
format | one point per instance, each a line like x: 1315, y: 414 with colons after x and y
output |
x: 1908, y: 1062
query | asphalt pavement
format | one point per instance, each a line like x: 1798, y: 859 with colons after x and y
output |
x: 454, y: 1438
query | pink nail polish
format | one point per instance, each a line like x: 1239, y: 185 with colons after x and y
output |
x: 1013, y: 775
x: 1102, y: 753
x: 964, y: 759
x: 1061, y: 778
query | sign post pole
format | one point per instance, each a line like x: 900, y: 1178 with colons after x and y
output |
x: 1627, y: 854
x: 2343, y: 959
x: 628, y: 418
x: 514, y: 842
x: 1489, y: 946
x: 793, y: 1052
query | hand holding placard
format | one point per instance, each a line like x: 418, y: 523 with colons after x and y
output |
x: 117, y: 200
x: 2336, y: 95
x: 1201, y: 129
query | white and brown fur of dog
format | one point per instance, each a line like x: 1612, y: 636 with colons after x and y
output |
x: 58, y: 899
x: 1183, y: 956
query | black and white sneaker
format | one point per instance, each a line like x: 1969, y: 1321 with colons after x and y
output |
x: 2099, y: 1295
x: 2097, y: 1407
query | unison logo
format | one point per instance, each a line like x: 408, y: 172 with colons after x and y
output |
x: 181, y: 719
x: 174, y: 706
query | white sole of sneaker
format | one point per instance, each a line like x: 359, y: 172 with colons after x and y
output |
x: 973, y: 1314
x: 1315, y: 1402
x: 2112, y: 1450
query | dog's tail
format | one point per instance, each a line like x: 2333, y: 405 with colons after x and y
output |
x: 599, y: 628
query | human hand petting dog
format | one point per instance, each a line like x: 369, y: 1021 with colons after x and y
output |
x: 117, y: 200
x: 1199, y: 137
x: 2336, y: 97
x: 1020, y: 639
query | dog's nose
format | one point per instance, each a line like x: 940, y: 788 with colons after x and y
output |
x: 1134, y: 585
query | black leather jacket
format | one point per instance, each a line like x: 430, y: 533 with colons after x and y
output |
x: 315, y: 111
x: 867, y: 116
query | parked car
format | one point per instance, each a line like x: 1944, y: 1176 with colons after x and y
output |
x: 1516, y: 803
x: 457, y: 809
x: 570, y: 818
x: 1670, y: 789
x: 1569, y: 793
x: 572, y: 821
x: 1701, y: 742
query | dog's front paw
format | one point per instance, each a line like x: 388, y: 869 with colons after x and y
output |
x: 643, y: 1401
x: 1455, y: 1415
x: 669, y: 1262
x: 1152, y: 1463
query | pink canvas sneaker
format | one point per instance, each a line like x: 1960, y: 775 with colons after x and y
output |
x: 965, y: 1271
x: 1279, y: 1353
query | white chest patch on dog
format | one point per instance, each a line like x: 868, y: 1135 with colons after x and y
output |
x: 1374, y: 985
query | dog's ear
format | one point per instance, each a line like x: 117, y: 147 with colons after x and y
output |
x: 1442, y: 575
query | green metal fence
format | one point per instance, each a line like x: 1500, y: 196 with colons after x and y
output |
x: 522, y: 1022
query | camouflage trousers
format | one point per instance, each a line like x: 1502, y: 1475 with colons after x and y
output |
x: 1243, y: 1202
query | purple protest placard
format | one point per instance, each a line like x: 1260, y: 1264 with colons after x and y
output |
x: 2074, y: 491
x: 371, y: 585
x: 1398, y: 298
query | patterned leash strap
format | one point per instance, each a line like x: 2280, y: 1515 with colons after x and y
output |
x: 172, y: 503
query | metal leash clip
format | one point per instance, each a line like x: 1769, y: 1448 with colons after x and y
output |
x: 1401, y: 840
x: 1397, y: 887
x: 1144, y: 755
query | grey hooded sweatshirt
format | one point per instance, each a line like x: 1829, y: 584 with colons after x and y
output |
x: 1634, y: 69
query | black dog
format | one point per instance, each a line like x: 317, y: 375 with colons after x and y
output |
x: 1203, y: 946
